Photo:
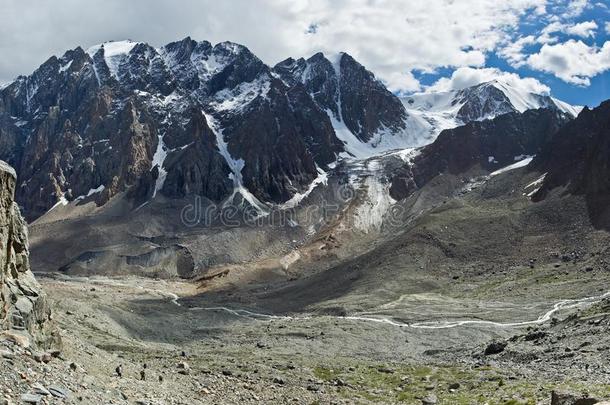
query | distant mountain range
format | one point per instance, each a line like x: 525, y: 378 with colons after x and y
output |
x: 192, y: 118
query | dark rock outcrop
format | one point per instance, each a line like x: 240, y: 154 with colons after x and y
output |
x: 495, y: 348
x: 292, y: 136
x: 489, y: 145
x: 482, y: 101
x: 25, y: 314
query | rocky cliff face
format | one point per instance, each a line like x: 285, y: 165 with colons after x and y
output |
x: 24, y: 312
x: 577, y: 161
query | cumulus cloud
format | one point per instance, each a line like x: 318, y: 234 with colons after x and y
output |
x: 514, y: 52
x: 584, y: 29
x: 390, y: 37
x: 546, y: 36
x: 393, y: 38
x: 572, y: 61
x: 465, y: 77
x: 575, y: 8
x: 552, y: 59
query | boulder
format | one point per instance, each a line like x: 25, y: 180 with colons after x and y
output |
x: 567, y: 398
x: 430, y: 399
x: 495, y: 348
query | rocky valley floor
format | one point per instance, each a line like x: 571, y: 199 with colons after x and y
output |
x: 169, y: 351
x: 485, y: 298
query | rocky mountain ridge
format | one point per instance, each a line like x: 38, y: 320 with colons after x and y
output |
x: 192, y: 118
x: 187, y: 118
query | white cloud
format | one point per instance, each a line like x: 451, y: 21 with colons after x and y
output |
x: 466, y: 77
x: 545, y: 34
x: 390, y: 37
x: 575, y: 8
x: 607, y: 27
x: 572, y: 61
x: 394, y: 36
x: 513, y: 52
x: 404, y: 82
x: 387, y: 36
x: 584, y: 29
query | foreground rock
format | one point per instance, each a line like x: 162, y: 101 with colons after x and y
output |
x: 24, y: 312
x: 566, y: 398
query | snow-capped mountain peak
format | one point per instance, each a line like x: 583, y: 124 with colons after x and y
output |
x: 523, y: 100
x: 435, y: 111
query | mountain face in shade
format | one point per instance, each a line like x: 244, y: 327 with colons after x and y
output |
x: 351, y: 95
x: 488, y: 145
x: 577, y: 161
x: 192, y: 118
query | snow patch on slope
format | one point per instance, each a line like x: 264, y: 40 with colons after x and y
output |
x: 65, y: 67
x: 574, y: 110
x: 335, y: 60
x: 238, y: 99
x: 298, y: 197
x: 96, y: 190
x: 354, y: 148
x: 115, y: 53
x: 62, y: 201
x: 236, y: 166
x: 158, y: 160
x: 534, y: 186
x: 519, y: 164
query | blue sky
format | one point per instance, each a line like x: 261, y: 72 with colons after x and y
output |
x: 591, y: 27
x: 556, y: 46
x: 599, y: 89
